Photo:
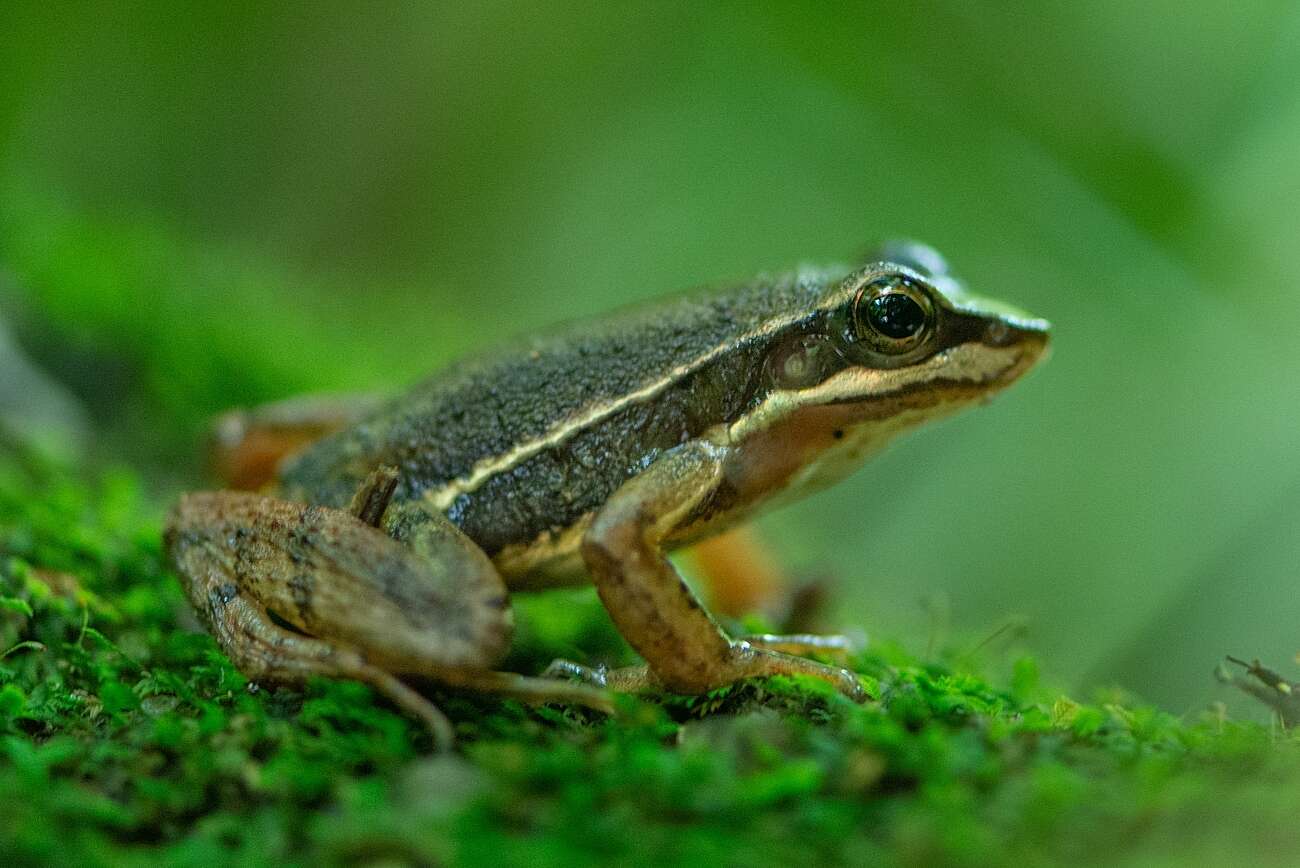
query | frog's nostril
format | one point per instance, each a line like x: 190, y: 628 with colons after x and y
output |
x: 1032, y: 334
x: 997, y: 334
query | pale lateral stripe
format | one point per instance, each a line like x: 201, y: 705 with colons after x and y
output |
x: 967, y: 363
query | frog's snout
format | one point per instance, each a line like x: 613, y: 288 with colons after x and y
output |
x: 1028, y: 339
x: 1010, y: 332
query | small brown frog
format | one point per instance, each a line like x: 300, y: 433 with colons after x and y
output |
x: 389, y: 547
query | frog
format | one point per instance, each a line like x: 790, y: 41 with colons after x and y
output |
x: 386, y: 551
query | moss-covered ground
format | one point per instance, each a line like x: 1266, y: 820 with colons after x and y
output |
x: 126, y: 738
x: 129, y: 739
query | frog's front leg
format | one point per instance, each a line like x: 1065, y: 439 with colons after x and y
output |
x: 685, y: 649
x: 291, y: 591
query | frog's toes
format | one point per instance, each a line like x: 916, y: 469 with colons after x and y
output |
x: 836, y: 646
x: 746, y: 661
x: 566, y: 670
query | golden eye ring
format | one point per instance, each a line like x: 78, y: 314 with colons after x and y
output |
x: 894, y: 314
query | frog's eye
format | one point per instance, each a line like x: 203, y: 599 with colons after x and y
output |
x: 893, y: 314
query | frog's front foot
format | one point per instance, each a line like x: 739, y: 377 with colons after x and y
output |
x: 745, y: 661
x: 748, y: 661
x: 685, y: 649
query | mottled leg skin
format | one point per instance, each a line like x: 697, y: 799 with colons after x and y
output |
x: 293, y: 591
x: 248, y: 445
x: 686, y: 650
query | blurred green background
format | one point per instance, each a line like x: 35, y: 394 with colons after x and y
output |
x: 208, y: 205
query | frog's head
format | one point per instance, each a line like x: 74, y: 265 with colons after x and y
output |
x: 900, y: 330
x: 892, y: 346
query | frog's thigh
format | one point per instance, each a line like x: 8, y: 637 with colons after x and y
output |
x: 431, y: 603
x: 653, y: 608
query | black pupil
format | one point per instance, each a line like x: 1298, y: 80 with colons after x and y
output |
x: 896, y: 315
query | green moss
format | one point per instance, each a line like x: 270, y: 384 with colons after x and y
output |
x: 128, y: 739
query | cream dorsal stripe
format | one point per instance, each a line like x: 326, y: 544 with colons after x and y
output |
x: 442, y: 498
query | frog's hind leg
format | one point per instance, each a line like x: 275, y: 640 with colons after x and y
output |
x: 736, y: 570
x: 265, y: 651
x: 294, y: 591
x: 737, y: 573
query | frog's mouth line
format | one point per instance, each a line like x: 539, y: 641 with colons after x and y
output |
x: 961, y: 374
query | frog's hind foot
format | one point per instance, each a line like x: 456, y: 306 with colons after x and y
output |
x: 535, y: 691
x: 625, y: 679
x: 265, y: 651
x: 834, y: 646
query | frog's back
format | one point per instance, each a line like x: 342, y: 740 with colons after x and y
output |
x: 530, y: 437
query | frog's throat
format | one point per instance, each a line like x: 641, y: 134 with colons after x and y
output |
x: 443, y: 497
